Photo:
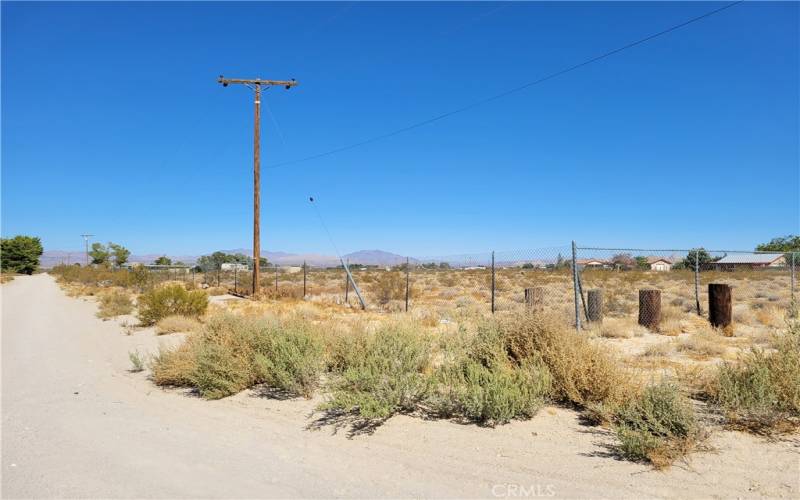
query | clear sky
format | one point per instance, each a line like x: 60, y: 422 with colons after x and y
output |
x: 113, y: 124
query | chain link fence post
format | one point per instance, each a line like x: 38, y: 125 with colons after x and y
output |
x: 305, y: 269
x: 793, y: 303
x: 408, y: 280
x: 493, y: 282
x: 575, y: 287
x: 697, y: 282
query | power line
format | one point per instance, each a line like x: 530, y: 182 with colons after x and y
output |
x: 507, y: 92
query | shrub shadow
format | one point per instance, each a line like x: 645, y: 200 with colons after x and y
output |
x: 337, y: 420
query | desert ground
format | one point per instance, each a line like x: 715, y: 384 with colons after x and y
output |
x: 77, y: 422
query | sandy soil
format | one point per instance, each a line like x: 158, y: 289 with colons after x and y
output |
x: 77, y: 423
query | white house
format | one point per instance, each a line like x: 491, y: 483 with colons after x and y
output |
x: 233, y: 266
x: 660, y: 263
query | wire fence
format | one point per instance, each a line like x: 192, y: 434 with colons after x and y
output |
x: 658, y: 289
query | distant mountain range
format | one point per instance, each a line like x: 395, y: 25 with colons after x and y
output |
x: 52, y: 258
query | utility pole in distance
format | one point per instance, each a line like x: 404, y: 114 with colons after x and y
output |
x: 256, y: 84
x: 86, y: 242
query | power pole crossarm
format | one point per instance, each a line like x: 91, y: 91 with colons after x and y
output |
x: 257, y: 81
x: 256, y: 85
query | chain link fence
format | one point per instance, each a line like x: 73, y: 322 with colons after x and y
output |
x: 660, y: 289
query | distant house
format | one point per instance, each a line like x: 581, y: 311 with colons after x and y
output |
x: 660, y: 263
x: 233, y: 266
x: 593, y: 263
x: 750, y: 261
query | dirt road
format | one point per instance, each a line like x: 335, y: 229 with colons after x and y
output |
x: 77, y: 423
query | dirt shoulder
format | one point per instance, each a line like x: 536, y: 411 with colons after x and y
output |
x: 77, y: 423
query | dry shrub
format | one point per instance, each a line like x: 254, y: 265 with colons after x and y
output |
x: 388, y: 286
x: 175, y: 367
x: 584, y: 372
x: 114, y: 303
x: 232, y: 353
x: 177, y: 323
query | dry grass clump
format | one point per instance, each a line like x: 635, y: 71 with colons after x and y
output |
x: 761, y: 392
x: 660, y: 350
x: 169, y: 300
x: 114, y: 303
x: 658, y: 426
x: 619, y: 328
x: 702, y: 346
x: 5, y: 278
x: 176, y: 323
x: 232, y: 353
x: 770, y: 316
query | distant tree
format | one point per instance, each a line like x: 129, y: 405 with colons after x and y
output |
x: 790, y: 243
x: 623, y: 261
x: 444, y: 265
x: 119, y: 252
x: 99, y: 254
x: 698, y: 255
x: 20, y: 254
x: 641, y: 262
x: 213, y: 262
x: 163, y: 261
x: 527, y: 265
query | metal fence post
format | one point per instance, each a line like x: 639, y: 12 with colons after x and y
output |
x: 793, y: 279
x: 276, y: 281
x: 697, y: 282
x: 236, y: 278
x: 304, y: 279
x: 407, y: 282
x: 575, y: 287
x: 346, y: 288
x: 493, y: 282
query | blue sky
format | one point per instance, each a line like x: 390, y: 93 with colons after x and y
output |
x: 113, y: 123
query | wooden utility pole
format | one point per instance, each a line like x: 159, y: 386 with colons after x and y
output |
x: 256, y: 84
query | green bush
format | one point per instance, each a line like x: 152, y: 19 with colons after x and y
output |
x: 761, y: 393
x: 658, y: 426
x: 491, y: 395
x: 387, y: 377
x: 170, y: 300
x: 291, y: 359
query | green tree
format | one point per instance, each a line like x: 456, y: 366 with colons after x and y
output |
x: 20, y: 254
x: 790, y: 243
x: 163, y: 261
x: 641, y: 262
x: 699, y: 256
x: 119, y: 252
x: 99, y: 254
